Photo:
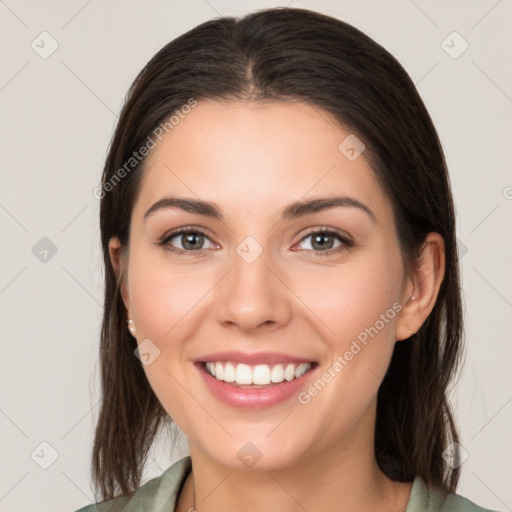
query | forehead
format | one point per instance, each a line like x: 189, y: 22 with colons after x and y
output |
x: 254, y: 155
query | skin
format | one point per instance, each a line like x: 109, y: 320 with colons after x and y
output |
x: 253, y: 159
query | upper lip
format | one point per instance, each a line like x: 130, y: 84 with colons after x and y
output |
x: 251, y: 359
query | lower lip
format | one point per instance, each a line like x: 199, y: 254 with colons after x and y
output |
x: 254, y: 398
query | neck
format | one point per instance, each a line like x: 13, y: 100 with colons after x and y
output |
x: 343, y: 477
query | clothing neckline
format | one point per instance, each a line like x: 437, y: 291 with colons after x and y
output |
x: 420, y: 498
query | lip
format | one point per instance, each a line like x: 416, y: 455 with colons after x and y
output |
x: 251, y: 359
x: 255, y: 398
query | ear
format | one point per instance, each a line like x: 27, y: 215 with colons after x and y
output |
x: 119, y: 263
x: 423, y: 285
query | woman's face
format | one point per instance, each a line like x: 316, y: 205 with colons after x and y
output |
x: 256, y: 282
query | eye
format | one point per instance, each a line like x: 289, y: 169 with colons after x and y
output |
x: 191, y: 240
x: 324, y: 239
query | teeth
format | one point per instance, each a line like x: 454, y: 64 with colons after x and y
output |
x: 229, y: 372
x: 211, y: 368
x: 277, y: 373
x: 219, y: 371
x: 289, y: 373
x: 259, y: 375
x: 243, y: 374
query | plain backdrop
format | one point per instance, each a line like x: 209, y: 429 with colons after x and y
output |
x: 57, y: 114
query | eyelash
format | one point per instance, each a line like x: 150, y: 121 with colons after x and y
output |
x: 187, y: 230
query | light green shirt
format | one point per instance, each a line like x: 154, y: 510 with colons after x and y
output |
x: 160, y: 494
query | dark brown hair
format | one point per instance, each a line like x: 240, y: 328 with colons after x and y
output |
x: 292, y: 54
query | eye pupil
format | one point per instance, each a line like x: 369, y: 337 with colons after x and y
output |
x: 190, y: 237
x: 321, y: 237
x: 192, y: 240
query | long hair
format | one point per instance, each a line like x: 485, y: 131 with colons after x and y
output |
x: 281, y: 54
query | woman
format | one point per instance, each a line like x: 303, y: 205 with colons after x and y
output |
x: 282, y: 278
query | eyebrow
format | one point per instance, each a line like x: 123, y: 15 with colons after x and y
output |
x: 292, y: 211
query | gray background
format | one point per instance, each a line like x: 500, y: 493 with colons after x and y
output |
x: 57, y: 116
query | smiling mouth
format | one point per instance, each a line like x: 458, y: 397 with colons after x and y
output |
x: 256, y: 376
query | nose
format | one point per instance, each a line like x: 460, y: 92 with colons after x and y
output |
x: 253, y: 295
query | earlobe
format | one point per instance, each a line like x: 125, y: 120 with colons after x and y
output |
x: 423, y: 289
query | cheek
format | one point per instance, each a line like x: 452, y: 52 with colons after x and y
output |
x: 170, y: 302
x: 360, y: 308
x: 352, y: 297
x: 165, y: 300
x: 163, y: 295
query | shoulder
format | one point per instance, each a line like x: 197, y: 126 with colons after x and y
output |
x: 425, y: 499
x: 457, y: 503
x: 114, y: 505
x: 157, y: 495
